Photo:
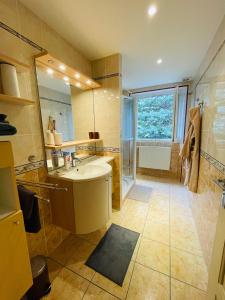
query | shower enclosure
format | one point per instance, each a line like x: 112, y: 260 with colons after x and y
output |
x: 128, y: 144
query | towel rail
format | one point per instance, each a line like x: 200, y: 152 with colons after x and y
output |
x: 50, y: 186
x: 43, y: 199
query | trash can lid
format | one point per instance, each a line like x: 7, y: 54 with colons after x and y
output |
x: 38, y: 265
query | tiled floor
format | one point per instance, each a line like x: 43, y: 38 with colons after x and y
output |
x: 167, y: 262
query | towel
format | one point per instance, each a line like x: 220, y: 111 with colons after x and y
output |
x: 7, y: 129
x: 30, y: 209
x: 191, y: 149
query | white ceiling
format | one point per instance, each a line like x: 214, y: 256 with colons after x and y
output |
x: 180, y: 33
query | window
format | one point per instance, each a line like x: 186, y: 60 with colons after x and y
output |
x: 161, y: 114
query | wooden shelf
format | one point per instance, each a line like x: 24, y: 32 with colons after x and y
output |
x: 15, y: 100
x: 72, y: 143
x: 20, y: 67
x: 47, y: 61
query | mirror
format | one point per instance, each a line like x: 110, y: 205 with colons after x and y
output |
x: 67, y: 115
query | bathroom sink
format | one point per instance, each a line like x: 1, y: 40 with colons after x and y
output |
x: 88, y: 172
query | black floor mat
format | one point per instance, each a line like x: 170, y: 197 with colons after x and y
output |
x: 112, y: 255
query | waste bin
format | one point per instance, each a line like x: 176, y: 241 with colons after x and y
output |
x: 41, y: 283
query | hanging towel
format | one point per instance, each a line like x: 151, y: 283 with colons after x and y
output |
x: 7, y: 129
x: 30, y: 209
x: 191, y: 149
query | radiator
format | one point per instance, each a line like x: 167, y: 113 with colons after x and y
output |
x: 154, y: 157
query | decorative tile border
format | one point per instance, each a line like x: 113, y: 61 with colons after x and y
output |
x: 218, y: 165
x: 29, y: 167
x: 21, y: 37
x: 99, y: 149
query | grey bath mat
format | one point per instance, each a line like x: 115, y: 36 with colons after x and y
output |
x: 140, y: 193
x: 112, y: 255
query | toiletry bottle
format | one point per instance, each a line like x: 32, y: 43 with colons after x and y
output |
x: 66, y: 157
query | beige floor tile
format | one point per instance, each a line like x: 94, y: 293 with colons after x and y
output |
x: 112, y: 287
x: 133, y: 223
x: 182, y: 291
x: 157, y: 231
x: 189, y: 268
x: 96, y: 236
x: 182, y: 221
x: 53, y: 268
x: 95, y: 293
x: 64, y: 251
x: 154, y: 255
x: 134, y: 256
x: 67, y: 285
x: 148, y: 284
x: 77, y: 261
x: 185, y: 240
x: 158, y: 216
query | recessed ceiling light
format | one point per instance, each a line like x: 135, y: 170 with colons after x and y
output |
x: 66, y: 78
x: 78, y: 84
x: 152, y: 10
x: 62, y: 67
x: 88, y: 82
x: 50, y: 71
x: 159, y: 61
x: 77, y: 75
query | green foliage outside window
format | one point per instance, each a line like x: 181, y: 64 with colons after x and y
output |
x: 155, y: 117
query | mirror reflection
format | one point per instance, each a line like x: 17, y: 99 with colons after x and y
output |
x: 63, y: 116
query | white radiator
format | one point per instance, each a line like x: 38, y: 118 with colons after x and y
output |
x: 154, y: 157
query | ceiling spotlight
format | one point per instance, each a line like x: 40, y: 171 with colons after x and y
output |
x: 50, y: 71
x: 152, y: 10
x: 62, y: 67
x: 78, y: 84
x: 159, y: 61
x: 66, y: 78
x: 77, y: 75
x: 88, y: 82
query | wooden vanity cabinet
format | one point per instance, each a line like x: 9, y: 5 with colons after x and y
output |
x: 15, y: 269
x: 62, y: 205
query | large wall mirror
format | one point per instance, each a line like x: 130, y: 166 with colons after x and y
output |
x: 67, y: 114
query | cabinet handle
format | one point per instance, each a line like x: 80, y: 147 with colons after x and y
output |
x: 16, y: 222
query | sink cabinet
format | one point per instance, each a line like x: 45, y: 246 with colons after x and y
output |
x: 85, y: 207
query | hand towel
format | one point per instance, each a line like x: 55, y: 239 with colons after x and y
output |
x: 7, y: 129
x: 30, y: 209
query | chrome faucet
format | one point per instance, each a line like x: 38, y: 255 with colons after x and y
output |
x: 75, y: 160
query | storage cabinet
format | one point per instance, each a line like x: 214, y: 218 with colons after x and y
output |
x: 15, y: 270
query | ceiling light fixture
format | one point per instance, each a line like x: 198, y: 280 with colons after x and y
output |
x: 159, y: 61
x: 62, y: 67
x: 88, y: 82
x: 50, y: 71
x: 66, y: 78
x: 77, y: 75
x: 152, y: 10
x: 78, y: 84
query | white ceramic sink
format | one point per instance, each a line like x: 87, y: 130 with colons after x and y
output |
x: 88, y: 172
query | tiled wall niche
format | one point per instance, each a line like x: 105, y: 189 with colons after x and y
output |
x: 175, y: 162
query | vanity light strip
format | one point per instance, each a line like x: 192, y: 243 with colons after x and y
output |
x: 29, y: 167
x: 21, y: 37
x: 218, y: 165
x: 108, y: 76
